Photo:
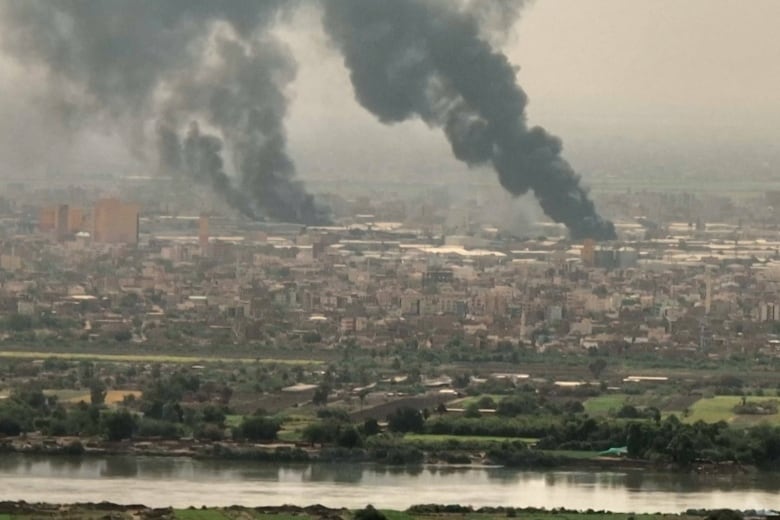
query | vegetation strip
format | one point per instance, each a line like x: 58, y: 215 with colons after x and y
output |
x: 90, y: 511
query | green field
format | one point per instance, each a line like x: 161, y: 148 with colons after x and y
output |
x: 603, y: 404
x: 721, y: 408
x: 293, y: 426
x: 464, y: 402
x: 150, y: 358
x: 69, y: 395
x: 432, y: 438
x: 233, y: 420
x: 200, y: 514
x: 572, y: 454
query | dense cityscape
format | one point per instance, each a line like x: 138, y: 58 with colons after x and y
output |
x: 320, y: 260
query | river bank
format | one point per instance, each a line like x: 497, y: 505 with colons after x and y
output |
x: 106, y: 510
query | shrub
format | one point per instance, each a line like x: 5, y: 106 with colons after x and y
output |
x: 255, y: 428
x: 369, y: 513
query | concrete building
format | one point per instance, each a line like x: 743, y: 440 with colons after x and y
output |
x: 47, y: 218
x: 115, y: 222
x: 769, y: 312
x: 61, y: 222
x: 589, y: 252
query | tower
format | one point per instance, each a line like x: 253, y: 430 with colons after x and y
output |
x: 589, y: 252
x: 203, y: 234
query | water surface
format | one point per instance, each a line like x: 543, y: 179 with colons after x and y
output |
x: 182, y: 482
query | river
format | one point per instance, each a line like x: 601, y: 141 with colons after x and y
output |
x: 181, y: 482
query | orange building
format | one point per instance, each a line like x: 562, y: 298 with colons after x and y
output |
x: 63, y: 220
x: 47, y: 219
x: 589, y: 252
x: 75, y: 220
x: 114, y: 222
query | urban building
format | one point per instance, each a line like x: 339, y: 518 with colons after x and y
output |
x: 115, y: 222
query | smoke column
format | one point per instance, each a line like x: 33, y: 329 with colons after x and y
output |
x: 125, y: 63
x: 215, y: 68
x: 428, y: 59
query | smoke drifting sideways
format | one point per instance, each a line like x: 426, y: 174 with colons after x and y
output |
x: 429, y: 59
x: 175, y: 63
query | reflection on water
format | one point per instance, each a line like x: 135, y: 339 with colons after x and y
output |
x: 161, y: 481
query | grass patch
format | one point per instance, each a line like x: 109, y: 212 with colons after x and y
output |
x: 464, y: 402
x: 150, y: 358
x: 721, y: 408
x: 233, y: 420
x: 572, y: 454
x: 199, y: 514
x: 293, y: 426
x: 76, y: 396
x: 603, y: 404
x: 282, y: 516
x: 396, y: 515
x: 437, y: 438
x: 69, y: 396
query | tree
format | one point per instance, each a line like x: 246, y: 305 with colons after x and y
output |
x: 320, y: 397
x: 349, y: 437
x: 724, y: 514
x: 19, y: 322
x: 97, y: 392
x: 682, y: 449
x: 258, y: 428
x: 472, y: 411
x: 487, y: 402
x: 9, y: 427
x: 573, y: 406
x: 406, y: 420
x: 371, y: 427
x: 123, y: 335
x: 596, y: 367
x: 628, y: 411
x: 369, y: 513
x: 119, y: 425
x: 636, y: 440
x: 517, y: 405
x: 316, y: 433
x: 214, y: 414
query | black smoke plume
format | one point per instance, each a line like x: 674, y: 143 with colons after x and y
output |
x: 428, y: 59
x: 128, y: 62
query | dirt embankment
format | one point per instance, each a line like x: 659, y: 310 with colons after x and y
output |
x: 109, y: 511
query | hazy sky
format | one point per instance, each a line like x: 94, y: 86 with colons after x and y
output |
x: 595, y: 70
x: 607, y: 76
